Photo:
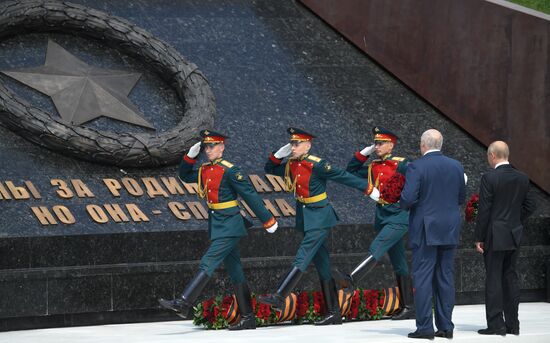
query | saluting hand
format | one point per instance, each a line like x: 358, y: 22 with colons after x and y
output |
x: 367, y: 151
x: 194, y: 150
x: 283, y: 151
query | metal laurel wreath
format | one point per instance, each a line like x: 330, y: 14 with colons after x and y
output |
x: 121, y: 149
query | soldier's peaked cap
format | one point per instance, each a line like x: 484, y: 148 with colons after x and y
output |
x: 212, y: 137
x: 381, y: 134
x: 299, y: 135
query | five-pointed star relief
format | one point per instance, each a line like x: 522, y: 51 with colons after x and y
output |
x: 82, y: 92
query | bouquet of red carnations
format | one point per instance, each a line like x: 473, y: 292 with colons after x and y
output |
x: 391, y: 192
x: 300, y: 308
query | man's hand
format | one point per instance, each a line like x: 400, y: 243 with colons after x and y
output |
x: 194, y: 150
x: 283, y: 152
x: 375, y: 194
x: 479, y: 247
x: 367, y: 151
x: 271, y: 225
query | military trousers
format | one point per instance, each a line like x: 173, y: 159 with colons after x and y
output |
x: 226, y: 250
x: 390, y: 240
x: 314, y: 248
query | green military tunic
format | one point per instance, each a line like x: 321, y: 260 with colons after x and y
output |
x: 220, y: 183
x: 307, y: 178
x: 390, y: 220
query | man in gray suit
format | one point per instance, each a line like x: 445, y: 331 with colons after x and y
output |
x: 504, y: 203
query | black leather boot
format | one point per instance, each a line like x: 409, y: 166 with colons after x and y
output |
x: 362, y: 269
x: 184, y: 304
x: 244, y: 302
x: 330, y: 294
x: 406, y: 297
x: 290, y: 281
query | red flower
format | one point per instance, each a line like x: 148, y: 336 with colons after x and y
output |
x: 215, y: 313
x: 264, y: 311
x: 318, y: 302
x: 206, y: 309
x: 471, y: 208
x: 391, y: 192
x: 303, y: 304
x: 226, y: 304
x: 354, y: 308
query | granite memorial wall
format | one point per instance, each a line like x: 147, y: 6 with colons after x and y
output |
x: 83, y: 242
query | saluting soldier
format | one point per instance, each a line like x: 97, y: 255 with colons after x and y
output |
x: 306, y: 175
x: 219, y: 183
x: 390, y: 220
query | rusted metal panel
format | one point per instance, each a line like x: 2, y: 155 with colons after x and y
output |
x: 484, y: 64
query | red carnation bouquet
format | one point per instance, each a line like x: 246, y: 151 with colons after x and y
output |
x: 307, y: 307
x: 391, y: 192
x: 471, y: 208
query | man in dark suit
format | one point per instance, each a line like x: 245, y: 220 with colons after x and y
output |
x: 504, y: 203
x: 434, y: 190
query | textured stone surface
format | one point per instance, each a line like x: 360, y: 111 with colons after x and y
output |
x: 271, y: 64
x: 80, y: 141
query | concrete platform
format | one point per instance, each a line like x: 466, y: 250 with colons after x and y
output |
x: 534, y: 318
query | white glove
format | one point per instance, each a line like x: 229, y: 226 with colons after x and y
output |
x: 375, y: 194
x: 194, y: 150
x: 367, y: 151
x: 272, y: 228
x: 283, y: 152
x: 465, y: 179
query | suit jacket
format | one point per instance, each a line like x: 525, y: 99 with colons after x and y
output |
x: 504, y: 203
x: 434, y: 190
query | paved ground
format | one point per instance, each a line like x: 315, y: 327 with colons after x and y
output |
x: 534, y: 317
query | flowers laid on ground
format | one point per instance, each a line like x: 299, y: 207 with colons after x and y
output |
x: 306, y: 307
x: 471, y: 208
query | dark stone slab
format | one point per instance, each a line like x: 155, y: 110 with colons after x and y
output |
x: 14, y: 253
x: 80, y: 294
x: 139, y: 291
x: 22, y: 297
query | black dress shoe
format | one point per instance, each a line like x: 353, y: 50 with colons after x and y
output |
x: 417, y: 334
x: 512, y: 331
x: 489, y: 331
x: 445, y: 334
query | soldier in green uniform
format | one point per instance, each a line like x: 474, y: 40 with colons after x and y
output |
x: 306, y: 175
x: 219, y: 183
x: 390, y: 220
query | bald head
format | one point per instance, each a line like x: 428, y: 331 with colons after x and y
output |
x: 497, y: 152
x: 431, y: 139
x: 499, y: 149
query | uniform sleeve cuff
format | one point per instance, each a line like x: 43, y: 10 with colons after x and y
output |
x: 275, y: 159
x: 360, y: 157
x: 189, y: 159
x: 369, y: 189
x: 269, y: 223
